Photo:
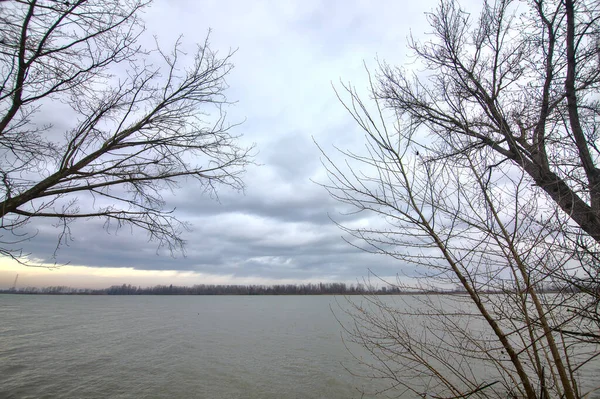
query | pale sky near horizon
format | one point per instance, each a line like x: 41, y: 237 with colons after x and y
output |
x: 289, y: 53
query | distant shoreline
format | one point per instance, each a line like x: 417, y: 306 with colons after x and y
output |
x: 249, y: 290
x: 209, y: 289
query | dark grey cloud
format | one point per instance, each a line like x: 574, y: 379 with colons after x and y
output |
x: 241, y: 245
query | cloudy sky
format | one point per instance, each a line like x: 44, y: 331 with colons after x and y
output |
x: 289, y: 54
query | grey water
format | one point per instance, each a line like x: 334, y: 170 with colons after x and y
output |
x: 172, y: 347
x: 182, y: 347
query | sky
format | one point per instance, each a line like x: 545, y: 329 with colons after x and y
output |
x: 289, y: 57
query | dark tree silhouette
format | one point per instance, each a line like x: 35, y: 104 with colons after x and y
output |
x: 483, y: 164
x: 140, y: 121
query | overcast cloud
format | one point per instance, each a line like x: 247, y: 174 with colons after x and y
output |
x: 289, y: 53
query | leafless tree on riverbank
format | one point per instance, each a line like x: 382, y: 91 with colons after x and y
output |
x: 486, y: 178
x: 138, y: 122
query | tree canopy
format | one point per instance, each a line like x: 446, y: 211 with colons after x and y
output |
x: 481, y: 160
x: 136, y: 121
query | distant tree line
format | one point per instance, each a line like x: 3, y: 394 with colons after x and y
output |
x: 232, y: 289
x: 211, y: 289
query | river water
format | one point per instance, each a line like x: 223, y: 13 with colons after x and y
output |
x: 177, y: 347
x: 172, y: 347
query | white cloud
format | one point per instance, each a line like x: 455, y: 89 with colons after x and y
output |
x: 288, y: 54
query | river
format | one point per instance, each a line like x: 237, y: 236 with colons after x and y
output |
x: 172, y: 347
x: 209, y: 347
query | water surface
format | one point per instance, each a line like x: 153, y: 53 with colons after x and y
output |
x: 209, y: 347
x: 178, y: 347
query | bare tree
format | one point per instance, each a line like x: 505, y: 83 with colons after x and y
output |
x: 483, y: 170
x: 136, y: 121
